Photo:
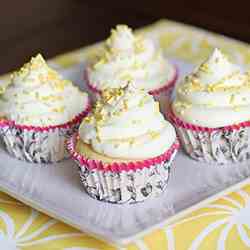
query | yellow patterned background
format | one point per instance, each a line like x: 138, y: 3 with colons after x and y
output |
x: 221, y: 224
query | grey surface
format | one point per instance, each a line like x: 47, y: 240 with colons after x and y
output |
x: 56, y: 189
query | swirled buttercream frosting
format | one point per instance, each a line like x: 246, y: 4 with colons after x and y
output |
x: 126, y: 57
x: 126, y: 124
x: 37, y: 95
x: 217, y: 94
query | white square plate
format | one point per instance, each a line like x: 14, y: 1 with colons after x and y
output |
x: 56, y: 190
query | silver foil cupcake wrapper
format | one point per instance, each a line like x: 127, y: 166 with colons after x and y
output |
x: 219, y: 146
x: 37, y: 147
x: 39, y: 144
x: 230, y: 144
x: 126, y: 187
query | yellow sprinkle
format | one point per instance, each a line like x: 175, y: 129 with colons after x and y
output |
x: 131, y: 141
x: 236, y: 108
x: 183, y: 105
x: 137, y: 65
x: 59, y: 110
x: 210, y: 104
x: 117, y: 112
x: 99, y: 116
x: 114, y: 51
x: 34, y: 66
x: 51, y: 98
x: 101, y: 62
x: 232, y: 99
x: 125, y: 103
x: 204, y: 68
x: 52, y: 76
x: 87, y: 119
x: 98, y: 134
x: 110, y: 95
x: 154, y: 134
x: 59, y: 85
x: 210, y: 88
x: 107, y: 56
x: 126, y: 77
x: 143, y: 101
x: 139, y: 45
x: 157, y: 107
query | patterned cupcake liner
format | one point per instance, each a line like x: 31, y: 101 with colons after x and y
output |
x: 229, y: 144
x: 166, y: 90
x: 39, y: 144
x: 123, y: 183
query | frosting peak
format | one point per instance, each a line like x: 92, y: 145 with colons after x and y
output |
x: 128, y: 57
x: 38, y: 72
x: 37, y: 95
x: 218, y: 70
x: 126, y: 124
x: 121, y: 38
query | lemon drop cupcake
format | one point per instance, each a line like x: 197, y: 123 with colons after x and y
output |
x: 39, y: 110
x: 124, y: 147
x: 211, y: 111
x: 127, y: 57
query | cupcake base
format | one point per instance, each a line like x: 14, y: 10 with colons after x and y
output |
x: 124, y: 183
x: 39, y: 144
x: 230, y: 144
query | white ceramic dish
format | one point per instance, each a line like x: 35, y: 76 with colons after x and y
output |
x: 56, y: 190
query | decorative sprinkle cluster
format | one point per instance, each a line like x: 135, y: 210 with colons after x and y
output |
x: 50, y: 77
x: 99, y: 113
x: 192, y: 84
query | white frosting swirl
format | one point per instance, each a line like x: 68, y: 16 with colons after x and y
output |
x: 127, y: 57
x: 126, y: 124
x: 38, y: 96
x: 217, y: 94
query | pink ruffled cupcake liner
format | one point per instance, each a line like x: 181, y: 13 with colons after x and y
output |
x: 39, y: 144
x: 128, y: 182
x: 229, y: 144
x: 166, y: 89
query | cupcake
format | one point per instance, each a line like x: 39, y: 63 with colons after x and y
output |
x: 127, y: 57
x: 124, y: 147
x: 39, y: 110
x: 211, y: 112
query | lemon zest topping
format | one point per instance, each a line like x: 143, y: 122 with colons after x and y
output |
x: 58, y: 110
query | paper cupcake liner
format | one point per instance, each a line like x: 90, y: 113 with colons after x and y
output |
x: 229, y: 144
x: 39, y: 144
x: 121, y: 183
x: 166, y: 89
